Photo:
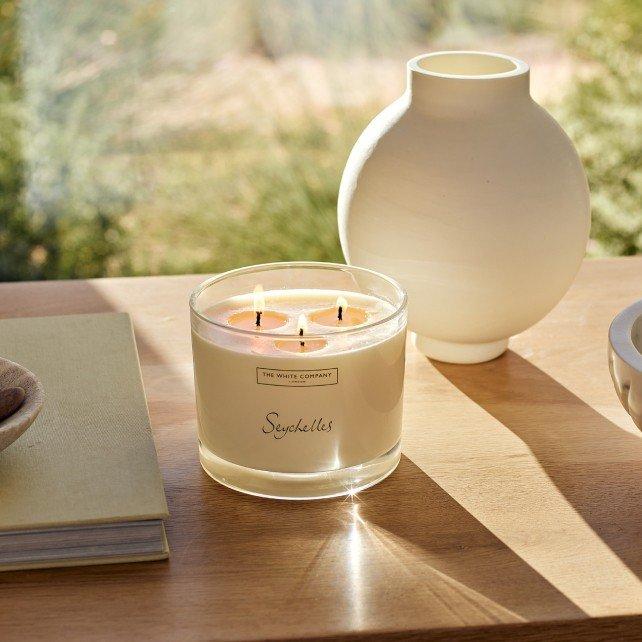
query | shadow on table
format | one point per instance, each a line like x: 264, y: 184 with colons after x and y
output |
x: 405, y: 542
x: 414, y: 509
x: 571, y: 441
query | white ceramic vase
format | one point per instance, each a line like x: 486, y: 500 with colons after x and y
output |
x: 472, y: 196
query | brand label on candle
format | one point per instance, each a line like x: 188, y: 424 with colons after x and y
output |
x: 297, y: 378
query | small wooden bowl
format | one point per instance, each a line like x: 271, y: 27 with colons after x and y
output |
x: 13, y: 374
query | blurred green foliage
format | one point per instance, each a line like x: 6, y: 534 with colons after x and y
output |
x: 241, y: 196
x: 92, y: 185
x: 57, y: 217
x: 16, y: 237
x: 603, y: 116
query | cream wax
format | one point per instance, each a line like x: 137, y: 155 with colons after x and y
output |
x: 312, y: 395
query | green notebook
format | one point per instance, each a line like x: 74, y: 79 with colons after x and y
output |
x: 82, y: 484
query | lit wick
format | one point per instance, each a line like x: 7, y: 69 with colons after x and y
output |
x: 259, y: 304
x: 303, y: 326
x: 342, y: 306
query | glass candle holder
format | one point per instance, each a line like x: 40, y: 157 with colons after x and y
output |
x: 299, y: 371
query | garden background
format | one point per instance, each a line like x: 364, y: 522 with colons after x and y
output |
x: 168, y: 136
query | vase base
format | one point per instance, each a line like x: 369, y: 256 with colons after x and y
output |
x: 459, y: 352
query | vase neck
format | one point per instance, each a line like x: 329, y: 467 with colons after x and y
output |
x: 456, y: 83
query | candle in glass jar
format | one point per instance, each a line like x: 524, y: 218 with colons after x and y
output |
x: 303, y: 410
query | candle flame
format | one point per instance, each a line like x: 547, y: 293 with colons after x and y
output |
x: 342, y: 303
x: 259, y: 299
x: 302, y: 324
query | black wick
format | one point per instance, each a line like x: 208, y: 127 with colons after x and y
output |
x: 258, y: 319
x: 302, y: 343
x: 340, y: 315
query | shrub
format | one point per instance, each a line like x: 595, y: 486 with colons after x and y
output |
x: 603, y: 115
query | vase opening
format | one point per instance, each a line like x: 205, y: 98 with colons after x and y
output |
x: 470, y: 64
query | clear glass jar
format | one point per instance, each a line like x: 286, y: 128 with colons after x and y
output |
x: 306, y: 404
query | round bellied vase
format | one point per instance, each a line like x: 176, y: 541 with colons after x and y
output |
x: 473, y: 197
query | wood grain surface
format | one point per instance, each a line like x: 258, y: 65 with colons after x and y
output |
x: 515, y: 513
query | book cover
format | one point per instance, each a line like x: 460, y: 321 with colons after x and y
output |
x: 89, y: 457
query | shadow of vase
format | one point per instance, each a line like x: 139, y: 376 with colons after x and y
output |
x: 592, y: 462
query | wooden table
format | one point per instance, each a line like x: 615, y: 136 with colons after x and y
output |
x: 516, y: 508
